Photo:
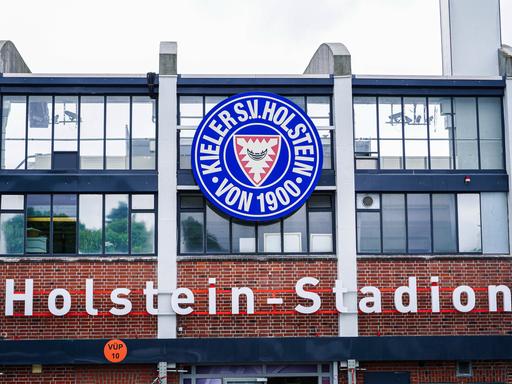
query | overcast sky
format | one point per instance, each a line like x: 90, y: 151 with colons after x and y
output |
x: 227, y: 36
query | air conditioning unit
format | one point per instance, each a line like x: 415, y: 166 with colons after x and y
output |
x: 368, y: 201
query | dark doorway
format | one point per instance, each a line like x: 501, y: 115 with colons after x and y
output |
x: 387, y: 378
x: 292, y: 380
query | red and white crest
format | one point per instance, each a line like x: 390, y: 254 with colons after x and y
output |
x: 257, y: 155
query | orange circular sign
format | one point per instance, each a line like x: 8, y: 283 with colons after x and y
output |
x: 115, y: 351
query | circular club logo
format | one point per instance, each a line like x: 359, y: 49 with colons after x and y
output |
x: 257, y: 156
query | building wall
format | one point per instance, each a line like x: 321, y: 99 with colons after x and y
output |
x: 77, y: 324
x: 387, y: 274
x: 265, y: 277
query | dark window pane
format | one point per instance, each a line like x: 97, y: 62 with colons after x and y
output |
x: 11, y: 233
x: 444, y: 225
x: 143, y: 233
x: 294, y: 232
x: 116, y: 224
x: 38, y: 224
x: 393, y: 223
x: 368, y: 232
x: 91, y: 224
x: 191, y: 202
x: 217, y: 232
x: 14, y: 117
x: 418, y: 223
x: 191, y: 232
x: 320, y: 232
x: 64, y: 223
x: 244, y: 237
x: 269, y: 237
x: 319, y: 201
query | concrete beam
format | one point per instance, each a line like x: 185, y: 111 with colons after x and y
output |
x: 505, y: 59
x: 168, y: 58
x: 10, y: 59
x: 330, y: 59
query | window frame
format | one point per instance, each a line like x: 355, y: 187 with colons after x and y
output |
x: 452, y: 140
x: 257, y: 252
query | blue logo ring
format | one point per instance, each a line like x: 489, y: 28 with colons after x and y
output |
x: 256, y: 156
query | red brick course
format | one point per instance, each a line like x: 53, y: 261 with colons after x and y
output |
x: 72, y: 276
x: 257, y: 275
x: 477, y: 273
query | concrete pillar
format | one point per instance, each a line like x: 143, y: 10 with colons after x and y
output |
x: 10, y: 59
x: 334, y: 59
x: 470, y: 37
x: 167, y: 181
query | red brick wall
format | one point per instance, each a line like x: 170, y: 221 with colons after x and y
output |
x: 438, y: 372
x: 72, y: 276
x: 477, y: 273
x: 257, y: 275
x: 122, y: 374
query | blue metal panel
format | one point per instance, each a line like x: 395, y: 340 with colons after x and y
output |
x: 261, y: 350
x: 387, y: 378
x: 433, y: 182
x: 63, y: 182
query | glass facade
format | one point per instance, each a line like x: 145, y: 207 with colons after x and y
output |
x: 439, y: 223
x: 421, y: 133
x: 89, y: 132
x: 203, y: 230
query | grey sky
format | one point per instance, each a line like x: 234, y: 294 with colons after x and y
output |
x: 227, y: 36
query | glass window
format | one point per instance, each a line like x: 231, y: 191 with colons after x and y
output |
x: 466, y: 146
x: 415, y: 118
x: 39, y: 132
x: 325, y: 138
x: 212, y: 101
x: 217, y: 232
x: 116, y: 224
x: 118, y: 132
x: 299, y: 100
x: 294, y: 232
x: 393, y: 223
x: 191, y: 234
x: 365, y: 132
x: 441, y: 132
x: 418, y: 223
x: 469, y: 222
x: 391, y: 154
x: 319, y: 201
x: 490, y: 125
x: 494, y: 222
x: 64, y: 223
x: 319, y: 110
x: 12, y: 202
x: 441, y: 154
x: 185, y: 136
x: 143, y: 202
x: 390, y: 117
x: 38, y: 224
x: 243, y: 237
x: 320, y: 232
x: 191, y: 202
x: 65, y: 119
x: 416, y: 154
x: 191, y: 110
x: 443, y: 216
x: 91, y: 224
x: 143, y: 133
x: 368, y: 232
x: 92, y: 111
x: 143, y: 233
x: 14, y: 118
x: 12, y: 226
x: 269, y: 237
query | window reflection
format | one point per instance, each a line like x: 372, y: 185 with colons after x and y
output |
x: 294, y: 231
x: 92, y: 111
x: 14, y: 117
x: 38, y: 224
x: 64, y: 223
x: 191, y: 232
x: 39, y: 132
x: 116, y: 224
x: 65, y: 118
x: 144, y: 133
x: 91, y: 224
x: 118, y: 132
x: 217, y: 232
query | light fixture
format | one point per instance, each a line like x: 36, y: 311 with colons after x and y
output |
x: 467, y: 179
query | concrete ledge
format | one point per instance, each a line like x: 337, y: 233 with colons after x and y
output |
x: 10, y: 59
x: 330, y: 58
x: 505, y: 60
